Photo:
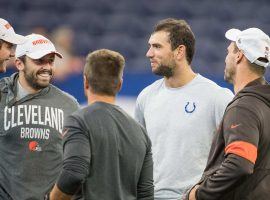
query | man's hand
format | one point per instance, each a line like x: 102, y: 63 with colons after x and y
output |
x: 57, y: 194
x: 193, y: 192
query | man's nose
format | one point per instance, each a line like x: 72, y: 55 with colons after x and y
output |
x: 12, y: 53
x: 149, y: 53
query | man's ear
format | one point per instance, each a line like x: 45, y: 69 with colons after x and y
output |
x: 120, y: 83
x: 180, y: 52
x: 19, y: 64
x: 85, y: 83
x: 239, y: 56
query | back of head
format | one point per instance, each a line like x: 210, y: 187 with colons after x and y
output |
x: 104, y: 70
x: 180, y: 33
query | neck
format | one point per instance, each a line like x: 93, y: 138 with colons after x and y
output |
x: 242, y: 78
x: 92, y: 98
x: 182, y: 76
x: 26, y: 86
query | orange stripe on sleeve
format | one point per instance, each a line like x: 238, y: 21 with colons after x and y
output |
x: 243, y: 149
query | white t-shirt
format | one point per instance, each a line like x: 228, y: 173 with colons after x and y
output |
x: 180, y: 123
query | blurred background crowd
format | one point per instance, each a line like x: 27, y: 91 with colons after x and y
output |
x: 79, y: 26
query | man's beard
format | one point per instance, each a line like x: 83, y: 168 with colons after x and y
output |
x: 32, y: 80
x: 229, y: 75
x: 164, y: 70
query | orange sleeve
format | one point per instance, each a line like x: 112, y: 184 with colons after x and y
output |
x: 243, y: 149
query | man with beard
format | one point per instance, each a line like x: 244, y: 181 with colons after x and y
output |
x: 239, y: 160
x: 32, y: 112
x: 8, y: 38
x: 181, y: 111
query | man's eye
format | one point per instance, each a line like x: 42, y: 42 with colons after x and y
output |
x: 40, y: 61
x: 157, y: 46
x: 10, y: 46
x: 51, y: 61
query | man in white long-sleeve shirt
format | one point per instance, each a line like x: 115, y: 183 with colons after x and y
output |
x: 181, y: 111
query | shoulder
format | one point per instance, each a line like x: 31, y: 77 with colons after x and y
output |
x: 8, y: 82
x: 207, y: 82
x: 4, y: 82
x: 249, y: 109
x: 90, y: 111
x: 151, y: 89
x: 214, y: 88
x: 77, y: 118
x: 246, y: 102
x: 65, y: 97
x: 5, y: 79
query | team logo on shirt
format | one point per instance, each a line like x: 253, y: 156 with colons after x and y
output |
x: 190, y: 108
x: 234, y: 126
x: 25, y: 115
x: 34, y: 146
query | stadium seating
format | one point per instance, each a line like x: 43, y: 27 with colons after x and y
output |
x: 125, y: 25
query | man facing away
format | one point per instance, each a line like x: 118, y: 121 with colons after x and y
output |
x: 31, y: 122
x: 181, y: 111
x: 239, y: 160
x: 104, y: 148
x: 8, y: 38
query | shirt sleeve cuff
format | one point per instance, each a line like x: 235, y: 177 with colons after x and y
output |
x: 68, y: 183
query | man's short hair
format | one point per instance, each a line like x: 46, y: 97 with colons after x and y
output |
x: 180, y: 33
x: 1, y: 43
x: 104, y: 70
x: 23, y: 59
x: 257, y: 69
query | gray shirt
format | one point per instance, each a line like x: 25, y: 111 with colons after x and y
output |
x: 109, y: 152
